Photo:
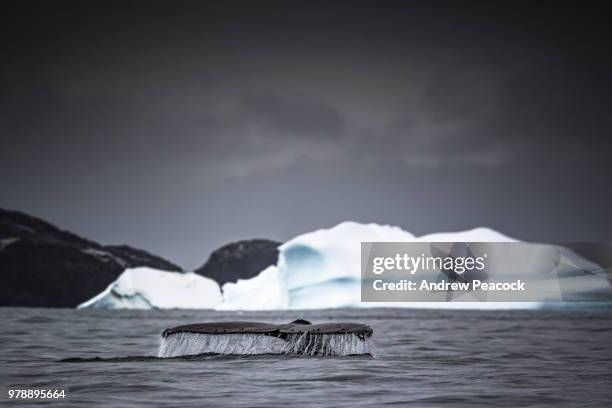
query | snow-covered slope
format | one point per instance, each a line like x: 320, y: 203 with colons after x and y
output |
x: 147, y: 288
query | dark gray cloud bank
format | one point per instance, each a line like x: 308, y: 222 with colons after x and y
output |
x: 180, y: 126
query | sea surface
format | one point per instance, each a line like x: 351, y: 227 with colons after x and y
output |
x: 428, y: 358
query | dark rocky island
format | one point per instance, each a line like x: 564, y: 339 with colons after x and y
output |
x: 240, y: 260
x: 42, y: 265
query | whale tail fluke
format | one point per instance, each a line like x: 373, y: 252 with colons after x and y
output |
x: 298, y: 337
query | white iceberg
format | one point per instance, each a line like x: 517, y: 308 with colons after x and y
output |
x: 316, y: 270
x: 148, y: 288
x: 321, y: 269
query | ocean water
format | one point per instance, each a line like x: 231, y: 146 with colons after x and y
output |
x: 429, y: 358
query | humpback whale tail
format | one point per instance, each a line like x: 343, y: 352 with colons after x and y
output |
x: 297, y: 337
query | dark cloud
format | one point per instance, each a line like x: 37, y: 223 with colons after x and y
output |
x: 182, y: 126
x: 295, y: 117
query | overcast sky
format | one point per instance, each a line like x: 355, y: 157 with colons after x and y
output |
x: 178, y: 127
